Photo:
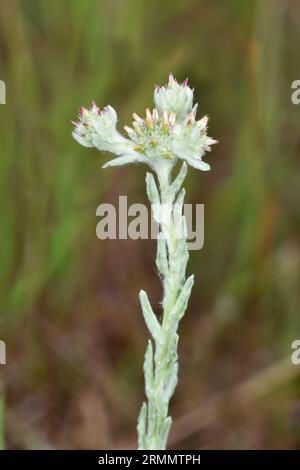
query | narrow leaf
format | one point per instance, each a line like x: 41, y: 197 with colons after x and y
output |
x: 164, y: 433
x: 181, y: 304
x: 152, y: 190
x: 149, y: 316
x: 124, y: 160
x: 178, y: 215
x: 161, y: 257
x: 148, y: 370
x: 177, y: 183
x: 196, y: 163
x: 172, y: 381
x: 142, y: 426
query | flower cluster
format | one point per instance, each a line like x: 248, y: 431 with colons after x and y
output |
x: 170, y: 132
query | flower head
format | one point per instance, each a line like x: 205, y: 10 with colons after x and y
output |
x: 98, y: 129
x: 191, y: 141
x: 174, y: 97
x: 152, y: 135
x: 160, y: 137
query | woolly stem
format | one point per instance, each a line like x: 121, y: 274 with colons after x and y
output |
x: 161, y: 358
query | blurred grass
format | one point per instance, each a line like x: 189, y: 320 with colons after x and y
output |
x: 2, y: 421
x: 65, y: 297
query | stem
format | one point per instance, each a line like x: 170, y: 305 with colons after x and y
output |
x: 161, y: 367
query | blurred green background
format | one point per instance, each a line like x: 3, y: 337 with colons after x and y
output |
x: 69, y: 307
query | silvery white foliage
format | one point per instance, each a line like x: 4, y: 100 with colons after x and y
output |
x: 161, y: 368
x: 166, y: 135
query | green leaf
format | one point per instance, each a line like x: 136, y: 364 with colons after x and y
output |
x: 148, y: 370
x: 177, y: 217
x: 181, y: 304
x: 172, y: 380
x: 152, y: 190
x: 164, y: 433
x: 161, y: 257
x: 142, y: 426
x: 177, y: 183
x: 124, y: 160
x: 149, y: 316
